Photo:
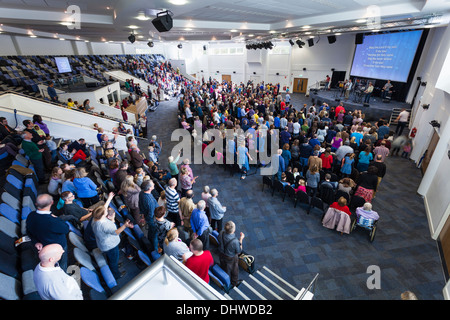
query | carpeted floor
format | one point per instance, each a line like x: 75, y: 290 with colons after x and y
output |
x: 296, y: 246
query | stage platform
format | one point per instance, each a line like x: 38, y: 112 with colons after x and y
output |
x: 376, y: 109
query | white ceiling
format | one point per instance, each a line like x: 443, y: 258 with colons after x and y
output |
x: 206, y: 20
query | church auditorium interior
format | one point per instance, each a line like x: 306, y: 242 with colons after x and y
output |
x: 239, y: 152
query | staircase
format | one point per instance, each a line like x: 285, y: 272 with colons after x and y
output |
x: 264, y: 284
x: 395, y: 113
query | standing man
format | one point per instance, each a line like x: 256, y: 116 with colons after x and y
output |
x: 52, y: 92
x: 172, y: 203
x: 368, y: 93
x: 386, y: 89
x: 44, y: 228
x: 229, y: 249
x: 200, y: 224
x: 401, y: 120
x: 147, y: 206
x: 216, y: 210
x: 51, y: 282
x: 186, y: 208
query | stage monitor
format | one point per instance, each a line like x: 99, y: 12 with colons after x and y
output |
x: 386, y: 56
x: 63, y: 64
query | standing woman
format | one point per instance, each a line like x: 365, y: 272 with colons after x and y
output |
x: 364, y: 159
x: 173, y: 168
x: 107, y: 235
x: 312, y: 180
x: 186, y: 181
x: 130, y: 191
x: 242, y: 157
x: 86, y: 188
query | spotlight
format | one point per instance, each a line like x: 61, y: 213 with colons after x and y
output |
x: 132, y: 38
x: 300, y: 43
x: 310, y: 42
x: 150, y: 44
x: 291, y: 42
x: 204, y: 48
x: 180, y: 46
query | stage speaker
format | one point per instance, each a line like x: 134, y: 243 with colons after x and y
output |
x: 359, y: 39
x: 366, y: 104
x: 310, y: 42
x: 163, y: 21
x: 331, y: 39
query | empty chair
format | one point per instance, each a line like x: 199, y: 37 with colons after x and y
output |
x: 267, y: 181
x: 91, y: 279
x: 220, y: 277
x: 9, y: 213
x: 77, y: 241
x: 10, y: 228
x: 302, y: 197
x: 28, y: 287
x: 316, y: 203
x: 290, y: 192
x: 83, y: 258
x: 278, y: 186
x: 12, y: 201
x: 144, y: 258
x: 10, y: 288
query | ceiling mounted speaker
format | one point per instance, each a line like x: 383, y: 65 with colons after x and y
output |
x: 204, y: 48
x: 132, y: 38
x: 150, y: 44
x: 163, y: 21
x: 291, y: 42
x: 180, y: 46
x: 359, y: 39
x: 310, y: 42
x: 331, y: 39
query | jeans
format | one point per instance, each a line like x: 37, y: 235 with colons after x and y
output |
x: 367, y: 97
x: 39, y: 168
x: 152, y: 234
x: 400, y: 127
x: 112, y: 256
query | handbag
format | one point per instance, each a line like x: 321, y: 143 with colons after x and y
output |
x: 247, y: 262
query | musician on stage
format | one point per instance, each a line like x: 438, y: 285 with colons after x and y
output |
x: 348, y: 87
x: 368, y: 92
x: 386, y: 89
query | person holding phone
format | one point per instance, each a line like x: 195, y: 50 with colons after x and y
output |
x: 107, y: 235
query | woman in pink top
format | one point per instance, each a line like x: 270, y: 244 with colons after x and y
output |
x: 336, y: 142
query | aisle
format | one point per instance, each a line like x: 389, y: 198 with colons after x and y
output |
x: 296, y: 246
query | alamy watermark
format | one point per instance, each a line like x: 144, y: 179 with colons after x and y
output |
x: 73, y: 17
x: 242, y: 148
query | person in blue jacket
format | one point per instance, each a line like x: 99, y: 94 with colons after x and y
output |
x: 86, y: 188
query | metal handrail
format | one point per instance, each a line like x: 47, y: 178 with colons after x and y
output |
x: 63, y: 106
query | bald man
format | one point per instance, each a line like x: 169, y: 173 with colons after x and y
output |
x: 44, y: 228
x: 51, y: 282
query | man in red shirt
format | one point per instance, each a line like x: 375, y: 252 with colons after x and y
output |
x: 200, y: 261
x: 338, y: 109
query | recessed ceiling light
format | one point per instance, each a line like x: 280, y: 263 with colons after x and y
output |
x: 375, y: 30
x: 337, y: 34
x: 306, y: 27
x: 178, y: 2
x: 233, y: 30
x: 272, y: 31
x: 66, y: 23
x: 140, y: 37
x: 62, y: 39
x: 133, y: 27
x: 33, y: 36
x: 251, y: 35
x: 86, y: 40
x: 187, y: 29
x: 361, y: 21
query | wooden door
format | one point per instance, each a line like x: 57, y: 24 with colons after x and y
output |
x: 226, y: 77
x: 444, y: 247
x: 300, y: 85
x: 431, y: 147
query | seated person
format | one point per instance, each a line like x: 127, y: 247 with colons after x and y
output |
x: 367, y: 212
x: 73, y: 212
x: 332, y: 184
x: 341, y: 205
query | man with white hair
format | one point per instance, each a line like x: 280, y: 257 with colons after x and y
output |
x: 200, y: 224
x: 216, y: 210
x: 51, y: 282
x: 367, y: 212
x: 229, y: 249
x: 157, y: 145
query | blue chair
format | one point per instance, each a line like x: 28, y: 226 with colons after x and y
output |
x: 154, y: 255
x: 74, y: 230
x: 108, y: 276
x: 144, y: 258
x: 220, y: 277
x: 10, y: 213
x: 91, y: 279
x: 214, y: 237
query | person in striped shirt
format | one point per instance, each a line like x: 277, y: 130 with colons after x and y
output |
x: 172, y: 203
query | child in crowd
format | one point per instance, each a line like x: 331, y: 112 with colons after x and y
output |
x: 139, y: 176
x: 52, y: 147
x: 301, y: 186
x: 346, y: 166
x: 295, y: 172
x: 55, y: 182
x: 39, y: 131
x: 162, y: 226
x: 406, y: 150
